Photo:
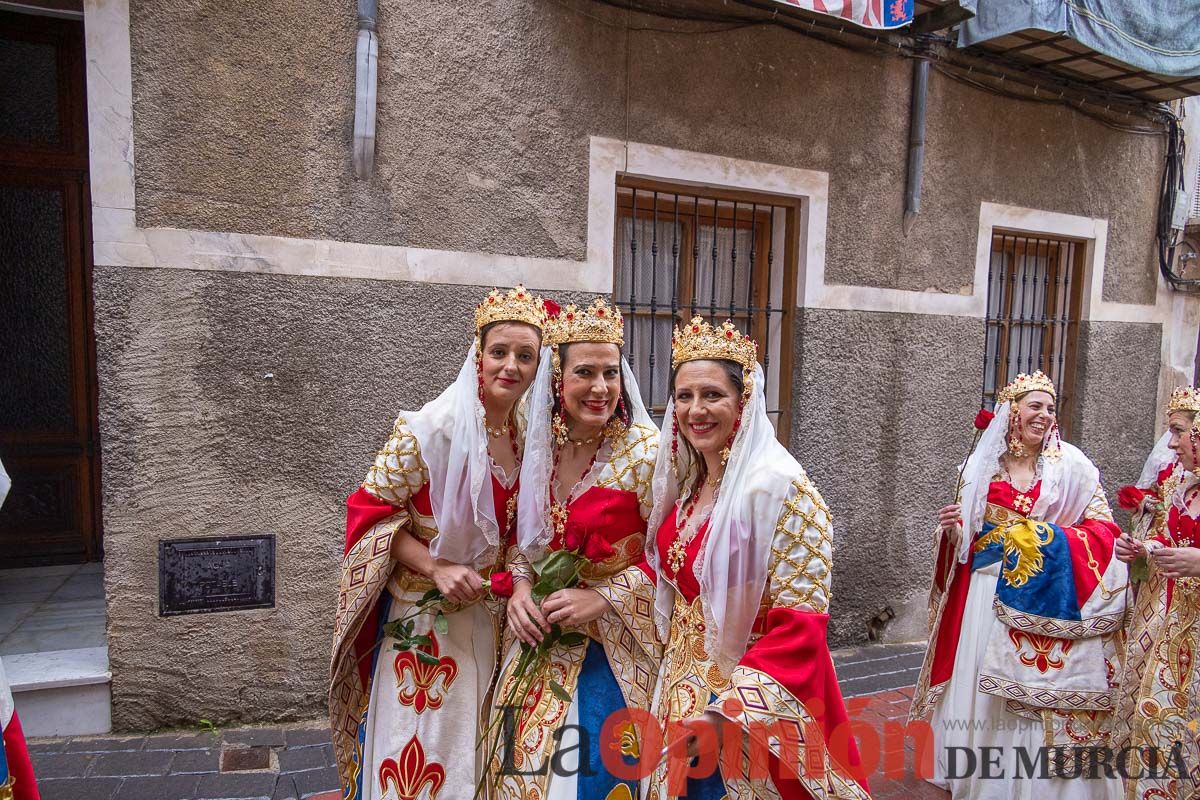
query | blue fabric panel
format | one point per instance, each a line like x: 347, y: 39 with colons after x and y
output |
x: 990, y: 554
x: 1049, y: 593
x: 598, y: 696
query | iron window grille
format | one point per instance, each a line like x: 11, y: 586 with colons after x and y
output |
x: 670, y: 267
x: 1034, y: 297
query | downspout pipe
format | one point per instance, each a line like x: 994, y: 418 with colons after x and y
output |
x: 365, y: 82
x: 916, y: 143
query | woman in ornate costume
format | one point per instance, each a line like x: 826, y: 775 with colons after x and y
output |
x: 434, y: 512
x: 17, y: 781
x: 743, y: 553
x: 586, y: 478
x: 1026, y: 613
x: 1160, y: 704
x: 1144, y: 499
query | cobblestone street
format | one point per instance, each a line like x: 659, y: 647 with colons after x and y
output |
x: 280, y: 763
x: 295, y: 762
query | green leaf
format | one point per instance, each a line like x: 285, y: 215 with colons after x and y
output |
x: 440, y: 624
x: 558, y: 566
x: 426, y: 658
x: 559, y: 692
x: 432, y: 596
x: 544, y: 588
x: 573, y: 638
x: 1139, y: 570
x: 420, y: 640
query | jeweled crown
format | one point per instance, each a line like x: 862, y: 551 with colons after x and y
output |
x: 1024, y: 384
x: 515, y: 305
x: 699, y: 341
x: 599, y: 322
x: 1185, y: 398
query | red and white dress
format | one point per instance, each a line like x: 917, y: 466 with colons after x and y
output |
x: 403, y: 726
x: 1161, y: 700
x: 786, y: 673
x: 1024, y: 650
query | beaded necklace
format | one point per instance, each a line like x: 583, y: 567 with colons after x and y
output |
x: 559, y: 511
x: 677, y: 552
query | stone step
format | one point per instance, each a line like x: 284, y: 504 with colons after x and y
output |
x: 62, y: 692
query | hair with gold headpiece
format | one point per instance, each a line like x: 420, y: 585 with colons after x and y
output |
x: 699, y: 341
x: 1184, y: 398
x: 598, y: 322
x: 1024, y: 384
x: 515, y: 305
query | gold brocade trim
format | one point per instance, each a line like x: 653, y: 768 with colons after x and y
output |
x: 6, y: 789
x: 766, y: 702
x: 1166, y: 708
x: 542, y: 714
x: 630, y: 467
x: 365, y: 573
x: 628, y: 635
x: 1058, y: 628
x: 687, y: 679
x: 688, y: 655
x: 801, y: 564
x: 399, y: 471
x: 1041, y: 697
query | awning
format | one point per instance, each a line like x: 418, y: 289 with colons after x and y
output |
x: 876, y: 14
x: 1155, y: 36
x: 1146, y: 50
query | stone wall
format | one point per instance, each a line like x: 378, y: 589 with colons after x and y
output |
x: 247, y: 404
x: 243, y: 122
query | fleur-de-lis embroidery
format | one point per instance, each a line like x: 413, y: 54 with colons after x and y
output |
x: 424, y: 685
x: 1043, y: 658
x: 412, y: 775
x: 1023, y: 503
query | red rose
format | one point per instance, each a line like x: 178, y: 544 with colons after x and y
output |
x: 501, y: 584
x: 553, y: 309
x: 1130, y: 497
x: 983, y: 419
x: 572, y: 539
x: 597, y: 549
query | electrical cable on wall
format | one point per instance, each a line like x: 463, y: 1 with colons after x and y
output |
x: 1170, y: 189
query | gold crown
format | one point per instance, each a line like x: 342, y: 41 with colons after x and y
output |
x: 515, y: 305
x: 1185, y: 398
x: 597, y: 323
x: 1024, y: 384
x: 699, y: 341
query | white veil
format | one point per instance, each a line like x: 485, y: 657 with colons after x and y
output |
x: 1069, y: 479
x: 736, y: 552
x: 1159, y: 457
x: 454, y: 447
x: 533, y: 502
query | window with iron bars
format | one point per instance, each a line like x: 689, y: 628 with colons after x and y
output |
x: 684, y: 252
x: 1034, y: 297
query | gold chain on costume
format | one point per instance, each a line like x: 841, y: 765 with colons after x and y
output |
x: 1094, y: 566
x: 677, y: 552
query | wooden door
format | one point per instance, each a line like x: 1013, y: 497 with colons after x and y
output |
x: 48, y: 439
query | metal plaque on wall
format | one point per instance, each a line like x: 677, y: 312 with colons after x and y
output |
x: 221, y: 574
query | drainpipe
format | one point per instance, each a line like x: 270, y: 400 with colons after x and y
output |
x: 366, y: 62
x: 916, y: 143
